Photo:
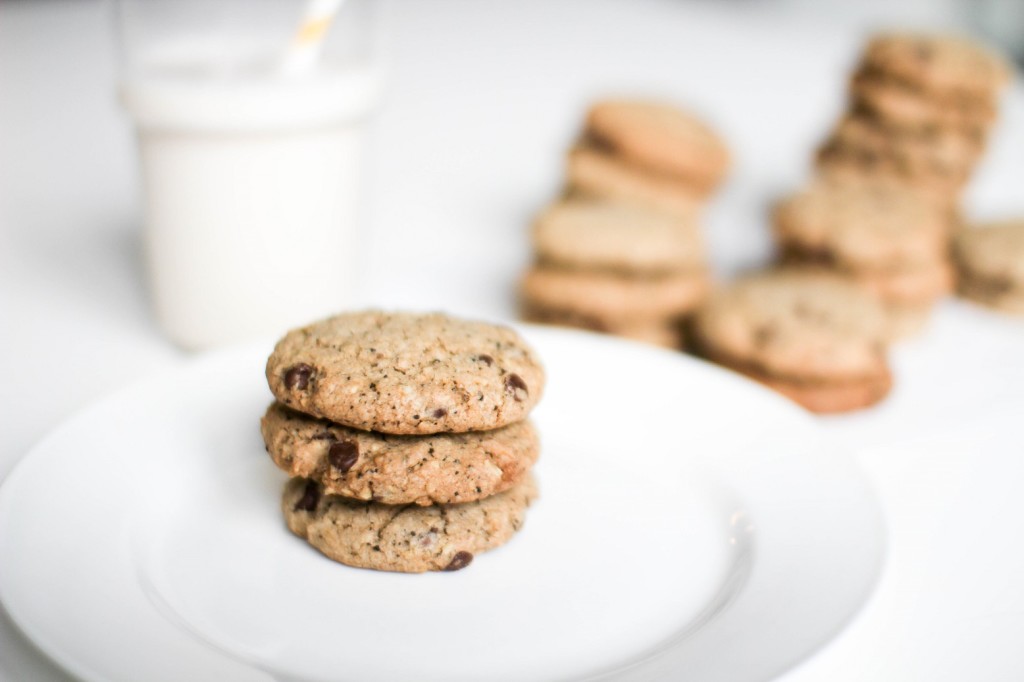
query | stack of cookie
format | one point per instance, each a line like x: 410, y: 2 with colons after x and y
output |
x: 615, y: 268
x: 812, y: 336
x: 623, y: 253
x: 920, y: 111
x: 405, y: 436
x: 891, y: 242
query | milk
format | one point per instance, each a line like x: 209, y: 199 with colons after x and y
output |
x: 252, y: 184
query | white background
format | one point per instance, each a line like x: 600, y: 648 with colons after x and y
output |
x: 484, y: 99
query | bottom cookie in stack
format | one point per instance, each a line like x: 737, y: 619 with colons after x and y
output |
x: 891, y: 242
x: 405, y: 538
x: 812, y: 336
x: 615, y: 268
x: 450, y: 479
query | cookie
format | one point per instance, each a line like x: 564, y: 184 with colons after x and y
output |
x: 613, y: 301
x: 908, y: 111
x: 406, y: 373
x: 435, y: 469
x: 404, y: 538
x: 664, y: 333
x: 592, y: 172
x: 617, y: 237
x: 939, y: 64
x: 661, y: 138
x: 843, y: 168
x: 814, y: 336
x: 919, y: 285
x: 861, y: 227
x: 946, y: 153
x: 990, y: 261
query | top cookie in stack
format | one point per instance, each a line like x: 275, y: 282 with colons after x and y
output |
x: 921, y: 109
x: 623, y: 252
x: 647, y: 153
x: 378, y: 410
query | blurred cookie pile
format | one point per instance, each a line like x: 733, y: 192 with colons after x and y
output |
x: 921, y: 107
x: 406, y: 437
x: 885, y: 205
x: 622, y: 251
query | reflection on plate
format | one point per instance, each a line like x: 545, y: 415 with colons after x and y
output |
x: 691, y: 525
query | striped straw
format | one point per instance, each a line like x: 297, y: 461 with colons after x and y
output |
x: 308, y: 42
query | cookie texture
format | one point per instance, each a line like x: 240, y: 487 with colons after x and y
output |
x: 943, y: 64
x: 990, y: 260
x: 660, y: 137
x: 424, y: 470
x: 664, y: 333
x: 404, y: 373
x: 403, y: 538
x: 862, y: 227
x: 603, y: 235
x: 592, y: 172
x: 610, y: 300
x: 911, y: 111
x: 801, y: 326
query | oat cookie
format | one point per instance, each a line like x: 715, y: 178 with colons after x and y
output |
x: 406, y: 373
x: 404, y: 538
x: 660, y: 137
x: 812, y: 335
x: 592, y: 172
x: 905, y: 109
x: 943, y: 153
x: 937, y: 63
x: 990, y: 260
x: 603, y: 235
x: 862, y: 227
x: 613, y: 301
x: 435, y: 469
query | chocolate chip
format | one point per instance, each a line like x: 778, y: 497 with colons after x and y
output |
x: 486, y: 359
x: 298, y: 376
x: 439, y: 412
x: 344, y: 455
x: 459, y: 561
x: 513, y: 384
x: 310, y: 497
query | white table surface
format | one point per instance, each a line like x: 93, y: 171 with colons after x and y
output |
x: 484, y: 99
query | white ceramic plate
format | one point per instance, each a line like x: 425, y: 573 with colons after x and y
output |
x: 691, y: 525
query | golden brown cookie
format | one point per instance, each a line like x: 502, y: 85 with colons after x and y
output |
x: 862, y: 227
x: 661, y: 138
x: 613, y: 236
x: 404, y: 538
x: 939, y: 64
x: 990, y: 260
x: 609, y: 300
x: 814, y: 336
x: 435, y: 469
x: 592, y: 172
x: 407, y: 373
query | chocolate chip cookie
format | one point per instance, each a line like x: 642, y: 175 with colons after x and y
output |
x: 423, y: 470
x: 404, y: 538
x: 813, y: 336
x: 404, y: 373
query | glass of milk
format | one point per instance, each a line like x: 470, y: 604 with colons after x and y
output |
x: 252, y: 170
